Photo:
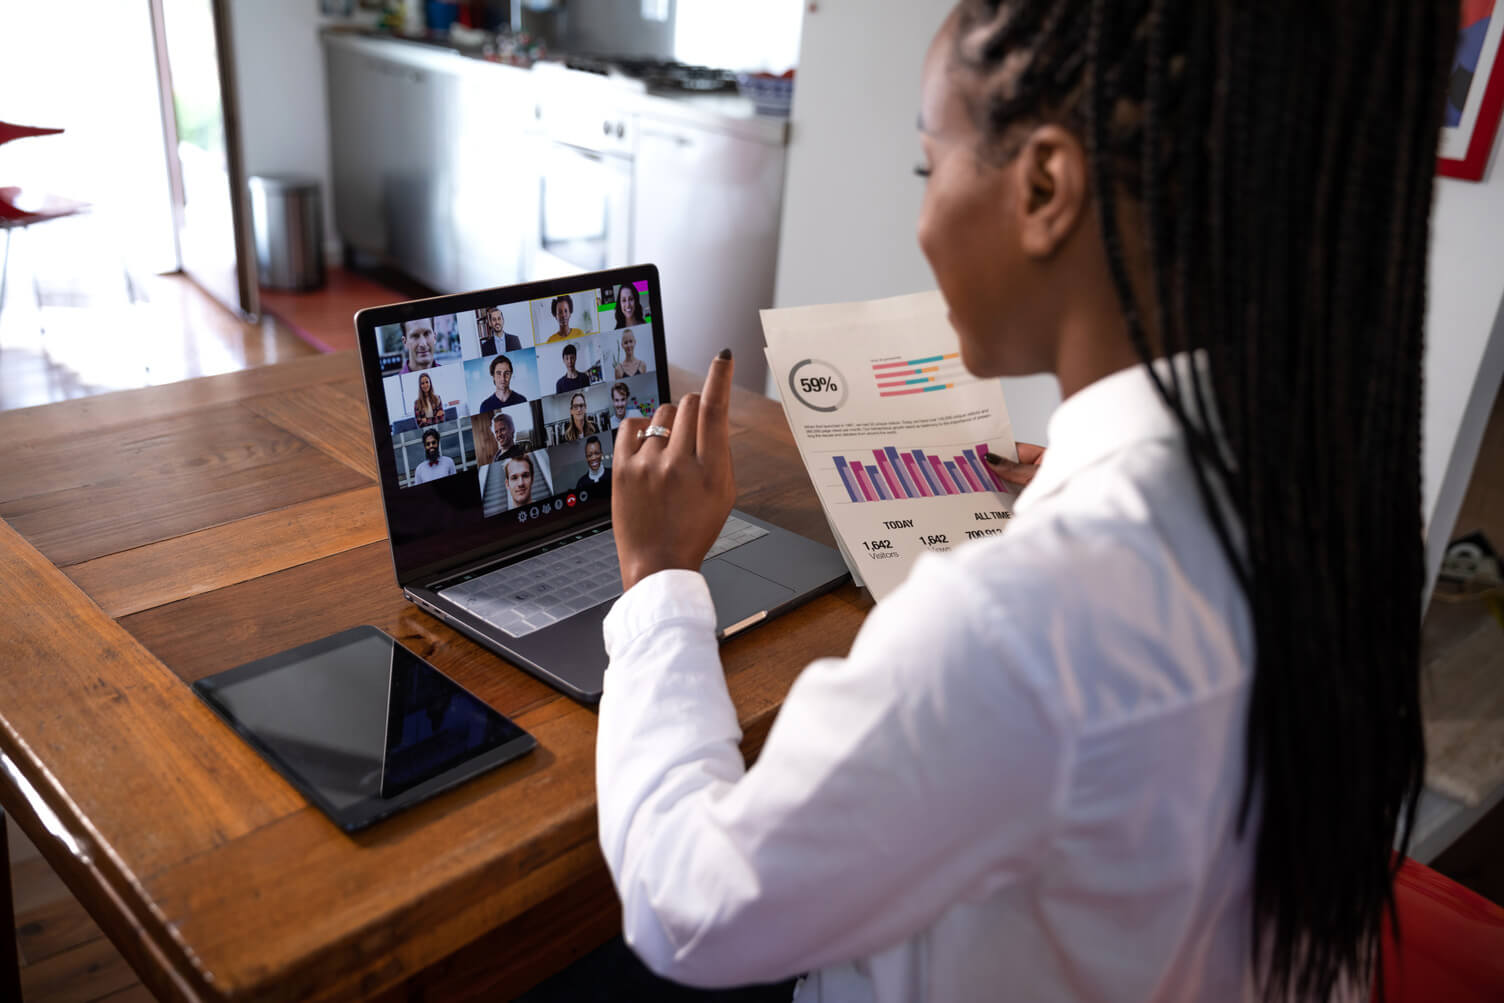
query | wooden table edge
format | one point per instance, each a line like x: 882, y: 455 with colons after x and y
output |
x: 71, y: 847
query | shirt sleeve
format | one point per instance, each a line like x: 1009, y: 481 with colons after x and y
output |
x: 919, y: 772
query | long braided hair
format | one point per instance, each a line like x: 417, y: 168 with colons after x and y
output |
x: 1282, y: 154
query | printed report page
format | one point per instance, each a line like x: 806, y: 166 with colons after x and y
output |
x: 893, y: 430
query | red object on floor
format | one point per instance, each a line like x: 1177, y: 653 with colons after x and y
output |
x: 1451, y: 942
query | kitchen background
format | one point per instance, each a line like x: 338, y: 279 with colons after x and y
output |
x: 837, y: 205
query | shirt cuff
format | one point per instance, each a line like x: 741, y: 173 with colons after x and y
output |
x: 660, y: 598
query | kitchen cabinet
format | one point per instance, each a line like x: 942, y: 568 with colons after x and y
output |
x: 469, y: 174
x: 705, y: 210
x: 433, y: 161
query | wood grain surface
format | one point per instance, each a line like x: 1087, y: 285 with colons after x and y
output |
x: 133, y: 580
x: 160, y: 478
x: 215, y: 878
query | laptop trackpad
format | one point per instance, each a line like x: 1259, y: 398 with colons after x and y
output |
x: 738, y: 593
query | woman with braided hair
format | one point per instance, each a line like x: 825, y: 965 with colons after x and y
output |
x: 1155, y: 742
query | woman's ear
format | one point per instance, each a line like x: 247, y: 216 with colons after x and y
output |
x: 1051, y: 174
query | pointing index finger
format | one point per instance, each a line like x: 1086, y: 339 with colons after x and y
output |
x: 714, y: 432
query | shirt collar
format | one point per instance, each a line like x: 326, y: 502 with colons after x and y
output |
x: 1113, y: 414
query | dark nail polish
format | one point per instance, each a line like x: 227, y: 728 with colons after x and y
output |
x: 725, y: 354
x: 994, y: 458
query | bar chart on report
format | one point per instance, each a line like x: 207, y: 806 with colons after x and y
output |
x: 892, y: 474
x: 922, y: 375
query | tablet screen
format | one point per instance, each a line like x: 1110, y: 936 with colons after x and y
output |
x: 360, y: 725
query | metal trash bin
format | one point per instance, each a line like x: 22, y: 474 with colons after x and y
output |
x: 287, y: 219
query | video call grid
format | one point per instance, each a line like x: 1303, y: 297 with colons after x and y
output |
x: 468, y: 393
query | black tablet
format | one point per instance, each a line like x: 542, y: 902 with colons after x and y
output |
x: 360, y: 725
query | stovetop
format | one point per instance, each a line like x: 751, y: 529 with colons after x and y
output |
x: 658, y: 74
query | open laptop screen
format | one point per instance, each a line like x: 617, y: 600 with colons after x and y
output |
x: 494, y: 412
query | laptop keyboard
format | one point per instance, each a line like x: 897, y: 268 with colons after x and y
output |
x: 529, y: 595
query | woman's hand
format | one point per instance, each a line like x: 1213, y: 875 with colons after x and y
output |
x: 1022, y: 472
x: 670, y: 496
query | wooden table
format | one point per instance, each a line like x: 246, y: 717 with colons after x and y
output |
x: 153, y: 537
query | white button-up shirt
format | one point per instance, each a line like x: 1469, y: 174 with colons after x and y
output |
x: 1022, y: 782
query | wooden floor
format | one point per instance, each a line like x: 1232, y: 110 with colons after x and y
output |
x: 163, y: 328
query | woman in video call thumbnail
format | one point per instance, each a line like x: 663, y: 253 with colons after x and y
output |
x: 629, y: 364
x: 580, y: 424
x: 562, y: 308
x: 501, y: 377
x: 628, y: 308
x: 427, y: 409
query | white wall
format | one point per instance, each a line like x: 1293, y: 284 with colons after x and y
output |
x: 279, y: 70
x: 851, y: 200
x: 850, y: 197
x: 1464, y: 344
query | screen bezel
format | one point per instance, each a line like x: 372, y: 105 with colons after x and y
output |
x: 420, y: 560
x: 356, y: 816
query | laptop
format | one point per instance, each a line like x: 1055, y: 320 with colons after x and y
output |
x: 494, y: 415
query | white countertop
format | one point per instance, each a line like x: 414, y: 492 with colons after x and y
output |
x: 725, y: 112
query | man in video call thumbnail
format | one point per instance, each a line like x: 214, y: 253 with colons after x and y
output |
x: 597, y: 476
x: 572, y: 379
x: 496, y: 338
x: 519, y: 474
x: 501, y: 378
x: 435, y: 464
x: 418, y: 346
x: 620, y: 393
x: 505, y: 431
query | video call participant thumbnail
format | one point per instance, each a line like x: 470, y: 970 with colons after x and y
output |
x: 505, y: 432
x: 628, y: 364
x: 494, y: 336
x: 513, y: 483
x: 580, y: 424
x: 428, y: 409
x: 419, y: 346
x: 562, y: 309
x: 435, y: 464
x: 572, y: 379
x: 628, y: 308
x: 520, y: 473
x: 597, y: 476
x: 620, y: 393
x: 501, y: 378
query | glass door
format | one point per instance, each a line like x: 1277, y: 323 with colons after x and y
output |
x: 210, y: 195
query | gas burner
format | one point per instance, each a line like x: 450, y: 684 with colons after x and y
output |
x: 657, y: 74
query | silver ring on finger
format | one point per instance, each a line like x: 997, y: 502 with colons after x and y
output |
x: 657, y: 431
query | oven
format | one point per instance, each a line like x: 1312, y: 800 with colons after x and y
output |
x: 584, y: 175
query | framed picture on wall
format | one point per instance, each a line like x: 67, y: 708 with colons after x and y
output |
x: 1475, y: 95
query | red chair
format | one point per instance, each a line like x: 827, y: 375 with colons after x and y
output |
x: 20, y: 209
x: 9, y: 132
x: 1451, y: 944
